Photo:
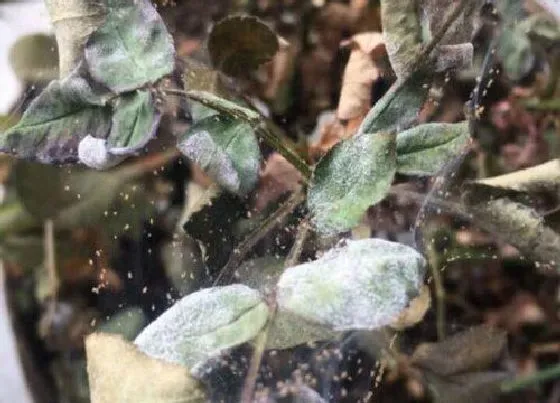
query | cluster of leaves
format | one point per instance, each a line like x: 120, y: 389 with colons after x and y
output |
x: 103, y: 109
x: 362, y: 285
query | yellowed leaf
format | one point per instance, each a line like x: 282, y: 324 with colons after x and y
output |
x: 415, y: 312
x: 119, y: 373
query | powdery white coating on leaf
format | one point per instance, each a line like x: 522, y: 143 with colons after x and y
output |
x: 226, y: 149
x: 55, y: 122
x: 354, y: 175
x: 363, y: 285
x: 425, y: 149
x: 203, y: 324
x: 397, y: 109
x: 132, y: 48
x: 457, y: 57
x: 134, y: 123
x: 93, y: 153
x: 200, y: 148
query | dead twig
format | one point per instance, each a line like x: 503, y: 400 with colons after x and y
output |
x: 258, y: 352
x: 299, y: 242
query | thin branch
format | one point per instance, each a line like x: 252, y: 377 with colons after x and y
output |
x: 271, y: 136
x: 256, y: 359
x: 547, y: 105
x: 299, y: 242
x: 420, y: 57
x: 434, y: 264
x: 269, y: 132
x: 256, y: 235
x: 217, y: 103
x: 454, y: 208
x: 50, y: 265
x: 438, y: 36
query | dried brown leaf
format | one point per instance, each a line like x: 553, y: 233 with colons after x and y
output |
x: 470, y: 350
x: 415, y: 311
x: 361, y: 71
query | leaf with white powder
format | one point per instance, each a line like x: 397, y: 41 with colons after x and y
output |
x: 363, y: 285
x: 425, y: 149
x: 204, y: 324
x: 132, y: 48
x: 354, y: 175
x: 226, y: 149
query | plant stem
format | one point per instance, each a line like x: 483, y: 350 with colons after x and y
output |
x: 299, y: 242
x: 256, y: 235
x: 523, y: 382
x: 417, y: 62
x: 438, y: 36
x: 222, y: 105
x: 256, y: 358
x: 456, y: 209
x: 434, y: 263
x: 50, y: 265
x: 269, y: 132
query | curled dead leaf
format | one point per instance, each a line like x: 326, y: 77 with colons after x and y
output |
x: 361, y: 71
x: 415, y: 311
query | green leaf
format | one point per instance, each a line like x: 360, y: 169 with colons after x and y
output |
x: 261, y: 273
x: 514, y: 47
x: 226, y: 149
x: 289, y: 330
x: 204, y: 324
x: 135, y: 122
x: 55, y: 122
x: 362, y: 285
x: 14, y: 217
x: 515, y: 51
x: 398, y: 109
x: 132, y: 48
x: 239, y: 44
x: 128, y: 323
x: 26, y: 249
x: 542, y: 27
x: 72, y: 196
x: 354, y: 175
x: 118, y: 372
x: 425, y: 149
x: 34, y: 58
